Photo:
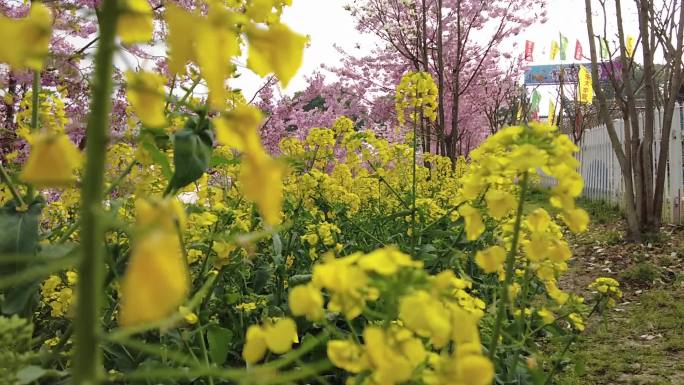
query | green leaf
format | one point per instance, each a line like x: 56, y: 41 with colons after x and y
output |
x: 299, y: 279
x: 19, y: 230
x: 277, y: 249
x: 158, y: 157
x: 29, y: 374
x: 219, y: 342
x: 191, y: 156
x: 19, y: 236
x: 220, y: 160
x: 261, y: 277
x: 18, y: 296
x: 232, y: 298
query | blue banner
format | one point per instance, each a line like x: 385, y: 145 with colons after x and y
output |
x: 550, y: 74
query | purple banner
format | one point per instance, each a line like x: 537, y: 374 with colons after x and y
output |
x: 550, y: 74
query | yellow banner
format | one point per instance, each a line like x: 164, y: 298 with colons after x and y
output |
x: 555, y: 48
x: 585, y: 91
x: 629, y: 46
x: 552, y: 112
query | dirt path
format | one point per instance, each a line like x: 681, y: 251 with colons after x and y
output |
x: 641, y: 340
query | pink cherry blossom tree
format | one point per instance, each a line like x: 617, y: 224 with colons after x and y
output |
x: 457, y: 41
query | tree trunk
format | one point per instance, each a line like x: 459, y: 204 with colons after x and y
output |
x: 649, y: 116
x: 668, y: 114
x: 440, y: 78
x: 632, y: 121
x: 630, y: 211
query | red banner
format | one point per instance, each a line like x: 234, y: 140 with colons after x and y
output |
x: 578, y: 51
x: 529, y: 49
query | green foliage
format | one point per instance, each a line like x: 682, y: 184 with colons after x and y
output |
x: 219, y: 340
x: 192, y: 152
x: 19, y: 237
x: 642, y: 273
x: 601, y: 212
x: 16, y: 353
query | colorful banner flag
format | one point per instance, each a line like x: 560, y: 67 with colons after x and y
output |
x: 578, y: 50
x: 529, y: 50
x: 554, y: 49
x: 550, y: 73
x: 605, y: 54
x: 534, y: 101
x: 585, y: 90
x: 552, y: 112
x: 629, y: 46
x: 563, y: 47
x: 534, y: 116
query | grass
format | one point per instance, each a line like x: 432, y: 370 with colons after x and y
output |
x: 641, y: 341
x: 642, y: 344
x: 641, y: 273
x: 600, y: 212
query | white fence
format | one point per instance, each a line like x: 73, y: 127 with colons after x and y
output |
x: 601, y: 171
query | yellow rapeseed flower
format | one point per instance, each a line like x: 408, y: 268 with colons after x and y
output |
x: 577, y: 219
x: 146, y: 95
x: 26, y: 39
x: 499, y: 203
x: 181, y: 38
x: 538, y: 220
x: 216, y: 44
x: 156, y: 280
x: 135, y: 22
x: 306, y: 300
x: 473, y: 221
x: 546, y: 316
x: 393, y: 355
x: 348, y: 356
x: 426, y: 316
x: 386, y: 261
x: 475, y: 370
x: 491, y: 258
x: 277, y: 337
x: 277, y: 49
x: 260, y: 175
x: 52, y: 161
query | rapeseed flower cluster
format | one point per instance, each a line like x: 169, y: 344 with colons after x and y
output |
x: 608, y: 288
x: 432, y: 312
x: 59, y: 293
x: 417, y: 93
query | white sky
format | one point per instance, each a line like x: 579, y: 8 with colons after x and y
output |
x: 327, y: 23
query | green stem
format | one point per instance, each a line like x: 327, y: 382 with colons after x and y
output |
x: 521, y: 319
x: 235, y: 375
x: 88, y: 355
x: 510, y: 264
x: 35, y: 100
x: 203, y: 347
x: 35, y: 106
x: 188, y: 92
x: 6, y: 179
x: 414, y: 183
x: 389, y: 186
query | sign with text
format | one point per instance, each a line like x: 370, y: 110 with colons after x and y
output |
x: 550, y: 74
